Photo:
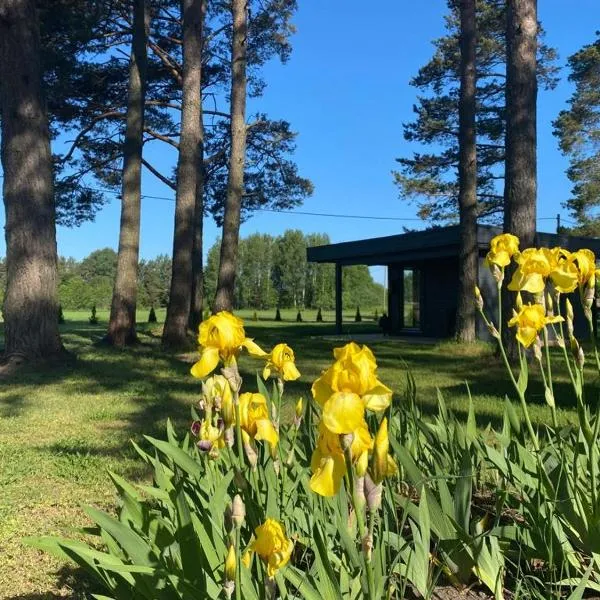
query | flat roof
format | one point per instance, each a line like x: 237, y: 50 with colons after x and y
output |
x: 428, y: 244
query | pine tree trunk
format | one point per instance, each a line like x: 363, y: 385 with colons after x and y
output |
x: 31, y: 303
x: 467, y: 177
x: 178, y: 311
x: 520, y: 187
x: 235, y: 181
x: 121, y: 326
x: 520, y: 179
x: 197, y: 304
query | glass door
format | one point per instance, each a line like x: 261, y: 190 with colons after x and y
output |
x: 411, y: 299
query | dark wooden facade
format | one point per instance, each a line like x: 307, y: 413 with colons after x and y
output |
x: 423, y: 275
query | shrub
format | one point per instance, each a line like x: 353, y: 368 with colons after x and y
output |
x: 319, y: 316
x: 152, y: 315
x: 357, y: 316
x: 299, y: 317
x: 277, y: 315
x: 61, y: 316
x: 93, y: 318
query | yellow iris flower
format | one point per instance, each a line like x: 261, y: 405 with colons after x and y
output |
x: 383, y: 464
x: 502, y: 248
x: 530, y: 320
x: 564, y: 274
x: 222, y: 336
x: 328, y: 463
x: 353, y: 372
x: 254, y: 419
x: 282, y: 362
x: 534, y: 266
x: 586, y: 263
x: 272, y: 545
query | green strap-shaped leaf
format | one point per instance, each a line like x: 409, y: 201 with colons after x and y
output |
x: 181, y: 458
x: 135, y: 546
x: 300, y: 581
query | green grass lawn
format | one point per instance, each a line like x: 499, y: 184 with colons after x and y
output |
x: 62, y: 429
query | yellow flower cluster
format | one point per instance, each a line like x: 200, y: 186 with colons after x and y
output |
x: 567, y: 270
x: 222, y: 337
x: 345, y: 392
x: 535, y: 267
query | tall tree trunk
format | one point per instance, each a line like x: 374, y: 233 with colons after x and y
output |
x: 520, y: 173
x: 235, y: 181
x: 31, y: 304
x: 197, y: 302
x: 520, y: 186
x: 178, y: 311
x: 467, y: 177
x: 121, y: 327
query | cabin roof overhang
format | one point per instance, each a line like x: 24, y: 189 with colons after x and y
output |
x: 429, y: 244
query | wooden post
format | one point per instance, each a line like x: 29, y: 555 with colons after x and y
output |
x: 338, y: 297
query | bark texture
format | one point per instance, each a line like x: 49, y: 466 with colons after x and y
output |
x: 467, y: 177
x: 197, y: 301
x: 235, y: 180
x: 121, y: 326
x: 520, y: 188
x: 520, y: 180
x: 178, y: 310
x: 31, y: 304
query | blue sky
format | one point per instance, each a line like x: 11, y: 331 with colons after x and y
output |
x: 346, y: 91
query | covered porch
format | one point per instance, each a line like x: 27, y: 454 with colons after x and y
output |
x: 423, y: 275
x: 422, y: 268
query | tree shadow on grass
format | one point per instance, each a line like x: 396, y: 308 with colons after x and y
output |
x: 73, y: 581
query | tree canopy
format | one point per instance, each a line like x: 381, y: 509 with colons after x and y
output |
x: 578, y: 132
x: 430, y: 176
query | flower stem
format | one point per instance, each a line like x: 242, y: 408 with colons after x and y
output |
x: 238, y: 566
x: 360, y: 521
x: 521, y: 395
x: 548, y: 380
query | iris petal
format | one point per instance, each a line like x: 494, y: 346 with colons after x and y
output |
x: 209, y: 359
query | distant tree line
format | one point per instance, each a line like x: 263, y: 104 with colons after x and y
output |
x: 272, y: 271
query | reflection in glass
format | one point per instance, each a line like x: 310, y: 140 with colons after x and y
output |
x: 411, y: 299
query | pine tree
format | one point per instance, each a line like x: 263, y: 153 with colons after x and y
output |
x: 121, y: 325
x: 180, y: 296
x: 31, y: 303
x: 237, y: 157
x: 578, y: 131
x: 468, y: 253
x: 520, y: 184
x: 430, y: 178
